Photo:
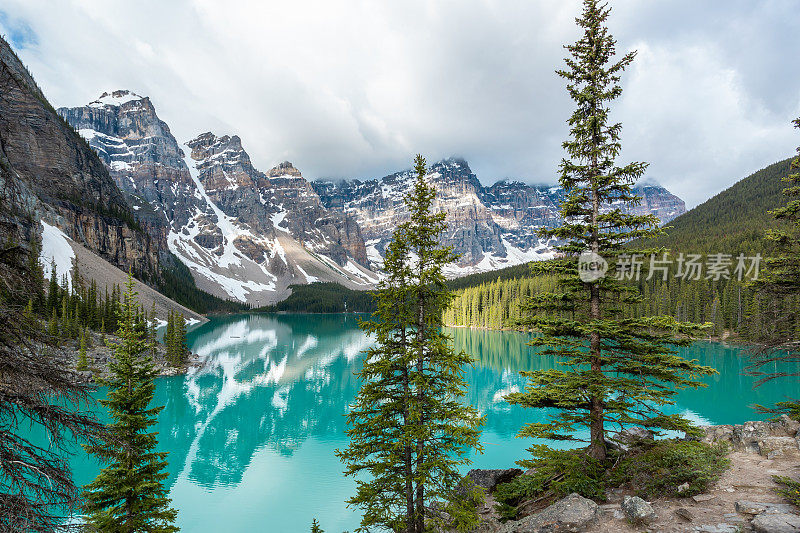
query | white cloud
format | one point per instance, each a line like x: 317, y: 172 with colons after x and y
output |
x: 689, y: 114
x: 355, y: 88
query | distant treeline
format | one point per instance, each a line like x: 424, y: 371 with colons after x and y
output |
x: 729, y: 305
x: 323, y: 297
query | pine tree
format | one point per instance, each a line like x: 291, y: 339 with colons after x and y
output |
x: 776, y: 326
x: 83, y: 362
x: 128, y: 495
x: 409, y: 430
x: 151, y: 325
x: 34, y: 267
x: 616, y: 368
x: 169, y: 336
x: 53, y: 292
x: 180, y: 349
x: 52, y: 324
x: 315, y: 528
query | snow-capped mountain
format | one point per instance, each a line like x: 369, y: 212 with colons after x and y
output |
x: 473, y: 232
x: 490, y: 227
x: 244, y: 234
x: 248, y: 234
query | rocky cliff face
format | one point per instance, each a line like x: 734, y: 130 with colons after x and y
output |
x: 481, y: 242
x: 243, y: 233
x: 50, y: 173
x: 490, y: 227
x: 140, y: 154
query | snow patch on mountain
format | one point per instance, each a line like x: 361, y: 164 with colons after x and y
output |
x: 218, y: 268
x: 56, y: 249
x: 115, y: 99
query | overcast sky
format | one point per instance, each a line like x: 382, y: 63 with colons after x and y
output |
x: 349, y: 88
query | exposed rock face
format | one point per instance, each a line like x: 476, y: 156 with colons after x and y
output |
x: 490, y: 227
x: 472, y: 231
x: 573, y: 513
x: 141, y: 155
x: 766, y: 438
x: 52, y: 174
x: 243, y: 233
x: 489, y: 479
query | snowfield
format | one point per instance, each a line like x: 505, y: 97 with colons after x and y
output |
x: 56, y: 249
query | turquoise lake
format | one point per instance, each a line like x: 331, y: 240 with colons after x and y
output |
x: 251, y: 436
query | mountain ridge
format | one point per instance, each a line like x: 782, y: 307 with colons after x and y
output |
x: 244, y: 234
x: 249, y: 234
x: 490, y: 226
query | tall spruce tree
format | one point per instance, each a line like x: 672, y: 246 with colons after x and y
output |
x: 128, y: 495
x: 618, y: 371
x: 779, y: 287
x: 409, y: 430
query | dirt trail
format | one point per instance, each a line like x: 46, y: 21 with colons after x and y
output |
x: 749, y: 478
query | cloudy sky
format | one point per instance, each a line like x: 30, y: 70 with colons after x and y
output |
x: 354, y: 88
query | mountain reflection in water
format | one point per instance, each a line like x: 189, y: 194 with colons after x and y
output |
x: 251, y: 435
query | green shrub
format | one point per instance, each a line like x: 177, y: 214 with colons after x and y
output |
x: 556, y: 473
x: 655, y: 470
x: 790, y: 489
x: 461, y: 509
x: 668, y: 464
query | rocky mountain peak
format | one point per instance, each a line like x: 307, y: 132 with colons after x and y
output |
x: 284, y: 169
x: 117, y: 98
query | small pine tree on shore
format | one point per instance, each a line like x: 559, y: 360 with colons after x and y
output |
x: 175, y: 339
x: 83, y: 362
x: 315, y: 527
x: 129, y: 495
x: 617, y: 371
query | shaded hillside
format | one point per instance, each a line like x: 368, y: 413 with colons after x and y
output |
x: 735, y: 220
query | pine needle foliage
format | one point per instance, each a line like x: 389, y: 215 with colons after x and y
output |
x: 129, y: 495
x: 38, y: 389
x: 409, y: 429
x: 778, y: 286
x: 619, y: 371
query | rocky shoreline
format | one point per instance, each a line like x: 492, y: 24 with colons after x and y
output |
x: 98, y: 355
x: 743, y: 499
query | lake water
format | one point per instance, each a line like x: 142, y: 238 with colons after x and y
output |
x: 251, y: 437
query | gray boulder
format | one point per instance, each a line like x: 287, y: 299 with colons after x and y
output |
x: 637, y: 511
x: 776, y: 523
x: 632, y: 437
x: 571, y: 514
x: 719, y: 528
x: 489, y: 479
x: 756, y: 508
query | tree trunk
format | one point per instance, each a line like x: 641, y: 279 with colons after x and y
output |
x: 420, y: 496
x: 597, y: 446
x: 597, y: 443
x: 409, y: 474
